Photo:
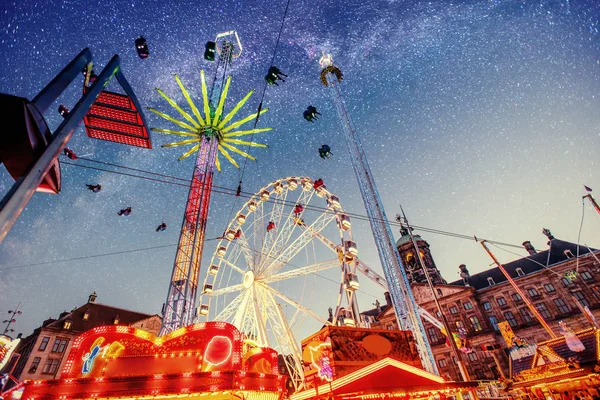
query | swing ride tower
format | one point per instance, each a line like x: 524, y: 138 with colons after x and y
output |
x: 404, y: 303
x: 209, y: 132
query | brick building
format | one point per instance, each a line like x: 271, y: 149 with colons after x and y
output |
x: 554, y: 280
x: 43, y: 353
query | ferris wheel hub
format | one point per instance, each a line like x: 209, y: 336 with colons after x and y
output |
x: 248, y: 280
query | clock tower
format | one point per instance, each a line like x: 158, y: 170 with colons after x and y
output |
x: 410, y: 259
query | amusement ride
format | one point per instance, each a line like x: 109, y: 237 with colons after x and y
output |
x: 209, y: 133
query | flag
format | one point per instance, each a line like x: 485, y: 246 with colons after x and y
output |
x: 587, y: 189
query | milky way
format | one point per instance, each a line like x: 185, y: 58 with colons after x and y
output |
x: 479, y: 117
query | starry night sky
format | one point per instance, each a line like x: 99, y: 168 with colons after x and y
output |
x: 479, y: 117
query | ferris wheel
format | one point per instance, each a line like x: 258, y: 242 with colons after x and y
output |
x: 269, y: 267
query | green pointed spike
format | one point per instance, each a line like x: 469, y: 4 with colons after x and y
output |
x: 205, y: 97
x: 235, y: 109
x: 222, y: 101
x: 173, y: 120
x: 227, y: 156
x: 247, y: 132
x: 243, y: 121
x: 240, y: 152
x: 189, y: 152
x: 244, y: 143
x: 171, y: 132
x: 182, y: 143
x: 181, y: 110
x: 189, y: 100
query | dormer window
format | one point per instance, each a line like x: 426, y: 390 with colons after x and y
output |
x: 569, y: 253
x: 86, y: 314
x: 520, y: 272
x: 491, y: 281
x: 116, y: 320
x: 67, y: 325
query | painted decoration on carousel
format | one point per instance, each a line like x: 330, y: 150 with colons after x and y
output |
x: 7, y: 347
x: 573, y: 342
x: 517, y: 347
x: 336, y: 351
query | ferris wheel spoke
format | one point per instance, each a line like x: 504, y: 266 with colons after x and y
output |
x: 233, y: 266
x: 297, y: 245
x: 286, y: 230
x: 286, y: 342
x: 297, y: 305
x: 227, y: 312
x: 308, y: 270
x: 272, y: 237
x: 229, y: 289
x: 244, y: 247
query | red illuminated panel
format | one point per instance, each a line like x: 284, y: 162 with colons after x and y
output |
x: 115, y: 351
x: 113, y: 117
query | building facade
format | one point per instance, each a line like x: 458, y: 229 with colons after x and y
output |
x: 44, y: 352
x: 558, y: 283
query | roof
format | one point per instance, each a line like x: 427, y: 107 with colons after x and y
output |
x: 384, y: 376
x: 530, y: 264
x: 98, y: 315
x: 406, y: 239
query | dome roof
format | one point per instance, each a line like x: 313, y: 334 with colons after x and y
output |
x: 406, y: 239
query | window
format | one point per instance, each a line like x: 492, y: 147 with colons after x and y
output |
x: 501, y: 301
x: 34, y: 365
x: 44, y: 343
x: 67, y: 325
x: 460, y: 324
x: 563, y: 308
x: 549, y: 288
x: 60, y: 345
x: 479, y: 373
x: 532, y: 292
x: 475, y: 324
x: 543, y: 310
x: 86, y: 314
x: 569, y: 253
x: 433, y: 336
x: 581, y: 298
x: 487, y: 306
x: 467, y: 305
x: 51, y: 366
x: 439, y: 292
x: 526, y: 314
x: 510, y: 318
x: 453, y: 310
x: 585, y: 275
x: 491, y: 281
x: 516, y: 297
x: 566, y: 282
x: 494, y: 322
x: 442, y: 362
x: 472, y: 356
x: 520, y: 272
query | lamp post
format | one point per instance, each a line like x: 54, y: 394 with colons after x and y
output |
x: 11, y: 319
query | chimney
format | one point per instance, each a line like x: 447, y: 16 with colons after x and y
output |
x: 388, y: 298
x: 548, y: 234
x: 63, y: 314
x: 92, y: 298
x: 529, y: 247
x: 464, y: 274
x: 19, y: 336
x: 48, y: 322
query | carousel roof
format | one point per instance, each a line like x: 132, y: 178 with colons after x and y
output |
x: 384, y: 376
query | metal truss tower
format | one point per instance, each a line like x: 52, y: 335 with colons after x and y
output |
x: 403, y: 300
x: 209, y: 132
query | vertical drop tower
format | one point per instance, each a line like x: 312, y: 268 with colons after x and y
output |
x: 403, y: 300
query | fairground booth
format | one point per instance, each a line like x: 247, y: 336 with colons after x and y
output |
x: 202, y: 360
x: 565, y: 364
x: 355, y: 363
